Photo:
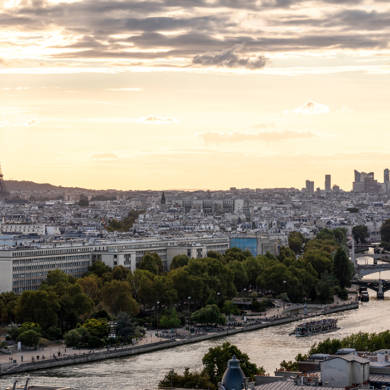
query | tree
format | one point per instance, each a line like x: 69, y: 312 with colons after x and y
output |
x: 342, y: 268
x: 97, y: 327
x: 385, y: 234
x: 29, y: 338
x: 99, y: 268
x: 189, y: 380
x: 117, y: 298
x: 296, y: 240
x: 179, y: 261
x: 209, y: 314
x: 126, y: 327
x: 240, y: 275
x: 216, y: 359
x: 83, y: 202
x: 38, y: 306
x: 151, y: 262
x: 360, y: 233
x: 170, y: 319
x: 91, y: 286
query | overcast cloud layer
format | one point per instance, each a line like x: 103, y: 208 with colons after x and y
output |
x: 185, y: 33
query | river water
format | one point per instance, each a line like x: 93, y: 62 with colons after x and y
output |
x: 266, y: 347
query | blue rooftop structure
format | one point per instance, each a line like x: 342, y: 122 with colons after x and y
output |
x: 233, y: 378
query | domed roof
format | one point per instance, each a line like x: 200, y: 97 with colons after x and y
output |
x: 233, y: 378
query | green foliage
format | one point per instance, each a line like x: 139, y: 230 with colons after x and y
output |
x: 97, y: 327
x: 179, y: 261
x: 360, y: 341
x: 29, y: 338
x: 230, y: 308
x: 8, y: 301
x: 236, y: 254
x: 385, y: 234
x: 296, y: 241
x: 216, y: 359
x: 125, y: 224
x: 117, y: 297
x: 38, y: 306
x: 209, y: 314
x: 99, y: 268
x: 126, y: 328
x: 360, y: 233
x: 342, y: 268
x: 170, y: 319
x: 83, y: 202
x: 151, y: 262
x: 189, y: 380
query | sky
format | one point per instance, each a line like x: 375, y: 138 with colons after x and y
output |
x: 188, y: 94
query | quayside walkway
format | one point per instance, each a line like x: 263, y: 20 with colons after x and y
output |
x: 68, y: 357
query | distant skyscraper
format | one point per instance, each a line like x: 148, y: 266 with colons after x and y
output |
x: 357, y: 176
x: 163, y: 200
x: 365, y: 182
x: 386, y: 175
x: 328, y: 183
x: 3, y: 191
x: 310, y: 187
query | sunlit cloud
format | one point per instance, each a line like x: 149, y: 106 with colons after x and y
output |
x: 309, y: 108
x: 267, y: 136
x: 105, y: 157
x: 30, y: 123
x: 129, y: 89
x: 157, y: 120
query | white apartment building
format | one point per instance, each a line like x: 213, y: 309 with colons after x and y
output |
x: 25, y: 268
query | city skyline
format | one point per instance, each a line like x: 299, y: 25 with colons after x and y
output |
x: 196, y: 94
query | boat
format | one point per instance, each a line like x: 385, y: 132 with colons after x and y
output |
x: 26, y: 386
x: 315, y: 327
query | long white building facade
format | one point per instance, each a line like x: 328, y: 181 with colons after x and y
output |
x: 24, y: 268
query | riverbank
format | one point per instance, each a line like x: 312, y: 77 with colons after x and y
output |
x: 88, y: 357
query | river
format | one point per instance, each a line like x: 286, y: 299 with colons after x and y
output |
x: 266, y: 347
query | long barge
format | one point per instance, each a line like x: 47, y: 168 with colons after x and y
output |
x: 315, y: 327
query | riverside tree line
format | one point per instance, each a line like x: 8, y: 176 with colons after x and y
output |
x: 196, y: 290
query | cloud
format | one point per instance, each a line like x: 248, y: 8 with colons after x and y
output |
x: 229, y: 59
x: 157, y: 120
x: 187, y: 33
x: 130, y: 89
x: 235, y: 137
x: 105, y: 157
x: 309, y: 108
x: 30, y: 123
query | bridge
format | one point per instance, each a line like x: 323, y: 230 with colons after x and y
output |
x: 367, y: 269
x: 381, y: 263
x: 380, y: 286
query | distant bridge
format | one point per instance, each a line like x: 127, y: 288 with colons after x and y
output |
x: 367, y: 269
x: 380, y: 286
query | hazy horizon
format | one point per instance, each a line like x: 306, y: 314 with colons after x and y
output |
x: 194, y: 94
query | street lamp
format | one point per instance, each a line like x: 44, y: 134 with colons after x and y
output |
x: 189, y: 311
x: 157, y: 303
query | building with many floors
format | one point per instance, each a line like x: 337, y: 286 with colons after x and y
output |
x: 24, y: 268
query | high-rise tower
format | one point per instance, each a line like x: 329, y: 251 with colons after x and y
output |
x: 328, y: 183
x: 3, y: 191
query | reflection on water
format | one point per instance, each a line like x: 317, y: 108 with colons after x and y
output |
x: 266, y: 347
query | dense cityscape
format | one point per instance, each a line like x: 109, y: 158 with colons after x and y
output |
x: 194, y: 194
x: 116, y: 272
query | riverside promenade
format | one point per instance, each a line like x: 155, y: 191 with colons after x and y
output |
x: 53, y: 359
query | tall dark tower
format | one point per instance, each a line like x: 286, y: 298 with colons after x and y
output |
x: 3, y: 191
x: 163, y: 200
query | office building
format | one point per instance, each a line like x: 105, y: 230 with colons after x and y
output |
x: 24, y: 268
x: 366, y: 183
x: 310, y: 187
x: 328, y: 183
